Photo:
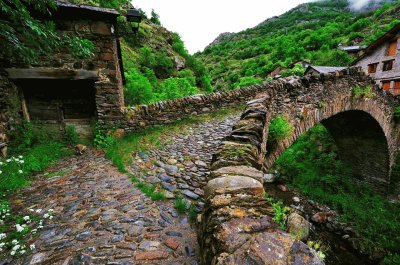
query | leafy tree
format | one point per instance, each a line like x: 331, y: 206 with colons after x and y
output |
x: 24, y: 38
x: 155, y: 18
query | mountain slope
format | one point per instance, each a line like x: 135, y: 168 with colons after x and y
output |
x: 310, y: 31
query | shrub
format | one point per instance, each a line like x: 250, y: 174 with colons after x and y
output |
x: 103, y: 138
x: 70, y: 136
x: 362, y: 92
x: 279, y: 129
x: 397, y: 113
x: 138, y: 89
x: 248, y: 81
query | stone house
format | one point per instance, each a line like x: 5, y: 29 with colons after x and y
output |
x: 63, y: 90
x: 381, y: 60
x: 317, y: 70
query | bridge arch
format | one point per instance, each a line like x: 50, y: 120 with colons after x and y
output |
x: 360, y: 129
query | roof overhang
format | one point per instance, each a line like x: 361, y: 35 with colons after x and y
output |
x: 51, y: 73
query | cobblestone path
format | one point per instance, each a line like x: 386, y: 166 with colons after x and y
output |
x: 100, y: 217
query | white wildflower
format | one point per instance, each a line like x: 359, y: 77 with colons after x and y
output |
x: 26, y: 218
x: 14, y: 242
x: 2, y: 244
x: 1, y: 163
x: 32, y: 247
x: 34, y: 231
x: 20, y: 171
x: 22, y: 252
x: 38, y: 210
x: 31, y: 210
x: 40, y: 227
x: 8, y: 160
x: 2, y: 236
x: 50, y: 210
x: 21, y: 161
x: 1, y: 171
x: 20, y: 157
x: 12, y: 253
x: 19, y: 228
x: 16, y: 247
x: 51, y: 217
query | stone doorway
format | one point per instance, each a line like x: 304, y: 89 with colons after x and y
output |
x: 57, y: 103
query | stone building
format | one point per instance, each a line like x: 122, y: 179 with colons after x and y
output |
x: 381, y: 60
x: 64, y: 90
x: 317, y: 70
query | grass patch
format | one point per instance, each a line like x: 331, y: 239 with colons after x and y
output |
x: 180, y: 205
x: 152, y: 191
x: 312, y: 166
x: 279, y: 129
x: 362, y: 92
x: 16, y: 171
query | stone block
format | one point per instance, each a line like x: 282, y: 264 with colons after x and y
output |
x: 233, y: 185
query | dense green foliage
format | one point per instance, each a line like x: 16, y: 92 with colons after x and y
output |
x: 158, y: 66
x: 24, y: 38
x: 312, y: 166
x: 279, y: 129
x: 311, y: 31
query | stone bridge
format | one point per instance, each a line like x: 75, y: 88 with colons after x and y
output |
x: 235, y: 226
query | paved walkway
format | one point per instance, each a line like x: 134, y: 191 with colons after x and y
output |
x: 100, y: 217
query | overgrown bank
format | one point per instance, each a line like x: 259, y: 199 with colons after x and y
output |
x: 313, y: 167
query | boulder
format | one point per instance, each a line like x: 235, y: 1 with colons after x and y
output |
x: 239, y: 171
x: 298, y: 226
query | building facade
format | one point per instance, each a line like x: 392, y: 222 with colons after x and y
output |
x: 62, y: 90
x: 381, y: 60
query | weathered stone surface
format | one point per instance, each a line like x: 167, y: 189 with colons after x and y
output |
x: 297, y: 226
x: 239, y: 171
x: 232, y: 185
x: 151, y: 255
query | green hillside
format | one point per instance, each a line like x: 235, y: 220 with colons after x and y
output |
x: 157, y: 65
x: 310, y: 31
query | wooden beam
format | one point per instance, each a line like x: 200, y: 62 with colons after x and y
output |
x: 51, y: 73
x: 24, y: 107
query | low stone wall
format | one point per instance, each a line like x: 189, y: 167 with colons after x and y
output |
x: 168, y: 111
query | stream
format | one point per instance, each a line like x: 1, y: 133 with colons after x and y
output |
x: 338, y: 251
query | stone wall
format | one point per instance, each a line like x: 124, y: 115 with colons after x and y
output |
x: 168, y: 111
x: 9, y: 110
x: 236, y: 225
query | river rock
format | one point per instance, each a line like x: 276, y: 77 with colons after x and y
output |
x: 298, y: 226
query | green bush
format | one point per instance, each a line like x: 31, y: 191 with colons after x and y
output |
x: 172, y: 88
x: 279, y: 129
x: 248, y: 81
x: 102, y: 137
x: 138, y: 89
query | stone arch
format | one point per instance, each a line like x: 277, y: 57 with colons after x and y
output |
x: 359, y: 127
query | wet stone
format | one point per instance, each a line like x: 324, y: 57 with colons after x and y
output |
x: 83, y: 236
x: 190, y: 194
x: 174, y: 233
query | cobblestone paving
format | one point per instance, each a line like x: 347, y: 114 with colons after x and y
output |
x: 102, y: 218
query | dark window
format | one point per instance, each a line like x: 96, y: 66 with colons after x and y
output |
x: 388, y: 65
x: 372, y: 68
